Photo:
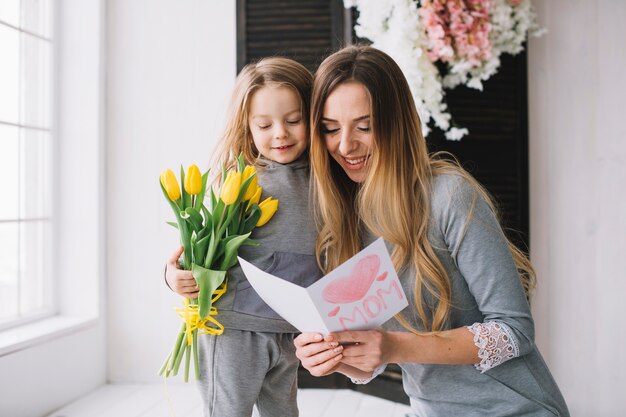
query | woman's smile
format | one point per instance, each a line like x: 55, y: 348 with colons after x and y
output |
x: 355, y: 163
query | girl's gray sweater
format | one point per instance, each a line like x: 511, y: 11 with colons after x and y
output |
x: 286, y: 249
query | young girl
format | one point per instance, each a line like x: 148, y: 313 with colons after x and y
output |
x: 253, y: 361
x: 465, y: 343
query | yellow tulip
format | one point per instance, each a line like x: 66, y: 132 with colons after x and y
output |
x: 256, y: 197
x: 247, y: 173
x: 193, y: 180
x: 230, y: 188
x: 268, y: 208
x: 170, y: 183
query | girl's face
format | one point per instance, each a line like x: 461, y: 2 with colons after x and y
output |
x: 275, y: 121
x: 346, y: 128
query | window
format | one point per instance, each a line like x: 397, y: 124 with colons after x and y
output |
x: 26, y: 156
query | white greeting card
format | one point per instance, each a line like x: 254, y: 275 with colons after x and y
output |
x: 360, y: 294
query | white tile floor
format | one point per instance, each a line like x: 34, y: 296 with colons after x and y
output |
x: 151, y: 400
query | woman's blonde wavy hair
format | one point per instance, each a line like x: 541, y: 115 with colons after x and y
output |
x: 394, y: 200
x: 237, y: 138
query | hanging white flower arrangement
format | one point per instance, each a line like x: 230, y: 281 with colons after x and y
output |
x: 466, y: 37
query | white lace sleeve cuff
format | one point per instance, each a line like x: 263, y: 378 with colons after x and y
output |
x: 376, y: 372
x: 496, y: 344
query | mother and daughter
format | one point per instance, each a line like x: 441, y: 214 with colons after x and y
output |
x: 361, y: 170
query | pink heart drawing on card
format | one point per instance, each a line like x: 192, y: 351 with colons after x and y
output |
x: 354, y: 286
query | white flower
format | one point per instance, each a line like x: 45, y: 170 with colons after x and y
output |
x: 456, y: 134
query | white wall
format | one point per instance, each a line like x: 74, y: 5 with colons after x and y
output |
x: 578, y: 199
x: 171, y: 66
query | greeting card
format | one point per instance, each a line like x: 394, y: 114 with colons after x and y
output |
x: 360, y: 294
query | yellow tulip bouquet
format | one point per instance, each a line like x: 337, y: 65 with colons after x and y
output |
x: 211, y: 237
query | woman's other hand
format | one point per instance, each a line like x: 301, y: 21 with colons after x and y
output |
x: 366, y: 349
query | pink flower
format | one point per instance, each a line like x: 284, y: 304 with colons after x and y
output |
x: 457, y: 30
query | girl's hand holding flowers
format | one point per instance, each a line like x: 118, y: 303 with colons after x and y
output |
x: 180, y: 281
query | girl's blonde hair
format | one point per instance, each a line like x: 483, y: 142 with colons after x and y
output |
x: 394, y: 200
x: 236, y: 138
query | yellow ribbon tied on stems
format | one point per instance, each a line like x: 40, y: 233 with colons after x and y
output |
x: 190, y: 315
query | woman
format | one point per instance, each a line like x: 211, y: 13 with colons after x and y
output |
x: 466, y: 341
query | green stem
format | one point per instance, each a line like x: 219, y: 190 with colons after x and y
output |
x: 214, y: 242
x: 196, y: 367
x: 187, y: 357
x: 231, y: 212
x: 241, y: 221
x: 179, y: 357
x: 164, y: 366
x: 174, y: 352
x: 210, y: 253
x: 219, y: 224
x: 185, y: 241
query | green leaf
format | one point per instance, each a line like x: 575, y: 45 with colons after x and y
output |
x: 205, y: 231
x: 233, y: 227
x: 210, y: 251
x: 251, y: 219
x: 186, y: 197
x: 230, y: 256
x: 207, y: 215
x: 223, y: 226
x: 200, y: 249
x: 173, y: 224
x: 193, y: 217
x: 250, y: 210
x: 217, y: 214
x: 213, y: 198
x: 240, y: 164
x: 221, y: 246
x: 250, y: 242
x: 208, y: 280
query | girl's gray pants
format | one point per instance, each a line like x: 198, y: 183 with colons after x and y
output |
x: 241, y: 369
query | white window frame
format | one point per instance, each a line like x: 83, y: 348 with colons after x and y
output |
x: 49, y: 307
x: 79, y: 164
